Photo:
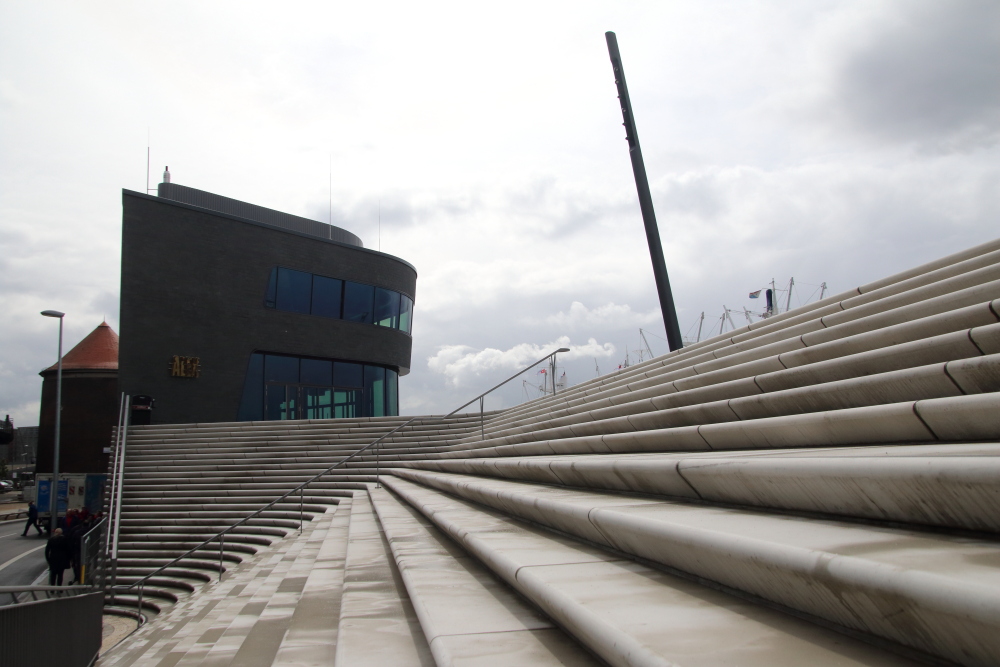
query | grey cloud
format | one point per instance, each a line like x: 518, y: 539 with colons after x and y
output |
x: 930, y: 75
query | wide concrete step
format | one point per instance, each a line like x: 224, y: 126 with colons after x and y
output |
x: 937, y: 339
x: 444, y: 583
x: 950, y: 486
x: 954, y: 419
x: 311, y: 637
x: 854, y: 356
x: 378, y: 625
x: 628, y: 613
x: 813, y: 341
x: 882, y: 581
x: 956, y: 378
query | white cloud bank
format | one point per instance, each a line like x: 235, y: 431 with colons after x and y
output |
x: 460, y: 363
x: 610, y: 314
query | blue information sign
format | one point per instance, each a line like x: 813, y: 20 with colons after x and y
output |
x: 44, y: 492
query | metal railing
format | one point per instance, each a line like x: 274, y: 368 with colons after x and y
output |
x: 300, y: 489
x: 26, y: 630
x: 15, y: 592
x: 91, y: 556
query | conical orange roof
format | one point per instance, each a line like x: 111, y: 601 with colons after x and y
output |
x: 98, y: 351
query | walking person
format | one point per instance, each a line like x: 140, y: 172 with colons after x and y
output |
x: 58, y: 553
x: 32, y: 519
x: 75, y: 535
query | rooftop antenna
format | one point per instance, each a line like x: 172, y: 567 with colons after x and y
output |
x: 822, y: 291
x: 331, y: 188
x: 147, y: 160
x: 645, y: 201
x: 700, y: 322
x: 380, y: 224
x: 788, y: 303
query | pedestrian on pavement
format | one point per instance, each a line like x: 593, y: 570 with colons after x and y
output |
x: 58, y: 553
x: 75, y: 537
x: 32, y: 519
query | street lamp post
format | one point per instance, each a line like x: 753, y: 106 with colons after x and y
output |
x: 54, y: 487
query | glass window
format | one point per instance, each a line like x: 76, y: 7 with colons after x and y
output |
x: 326, y: 296
x: 281, y: 369
x: 317, y: 402
x: 279, y: 386
x: 252, y: 405
x: 270, y: 299
x: 316, y: 371
x: 358, y: 302
x: 347, y: 403
x: 375, y: 391
x: 386, y: 308
x: 279, y: 401
x: 294, y: 290
x: 346, y: 374
x: 405, y: 312
x: 391, y: 393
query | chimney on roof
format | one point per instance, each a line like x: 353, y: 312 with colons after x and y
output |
x: 166, y: 174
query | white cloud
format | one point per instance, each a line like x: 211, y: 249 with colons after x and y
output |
x: 459, y: 363
x: 608, y: 315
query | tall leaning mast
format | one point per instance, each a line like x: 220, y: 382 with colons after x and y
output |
x: 673, y: 329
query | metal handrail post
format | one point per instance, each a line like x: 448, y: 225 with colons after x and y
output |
x: 491, y: 389
x: 482, y: 418
x: 378, y: 466
x: 301, y: 492
x: 114, y: 469
x: 138, y: 619
x: 222, y: 552
x: 121, y: 481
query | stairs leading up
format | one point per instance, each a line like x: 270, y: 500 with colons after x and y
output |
x: 816, y: 488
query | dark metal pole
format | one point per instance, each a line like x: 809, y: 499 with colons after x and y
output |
x: 645, y: 201
x: 54, y: 488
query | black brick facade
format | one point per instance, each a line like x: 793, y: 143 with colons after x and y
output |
x: 193, y: 284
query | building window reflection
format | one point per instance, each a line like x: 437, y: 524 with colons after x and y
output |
x: 301, y: 292
x: 280, y: 387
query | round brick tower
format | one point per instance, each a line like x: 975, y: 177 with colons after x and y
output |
x: 89, y: 405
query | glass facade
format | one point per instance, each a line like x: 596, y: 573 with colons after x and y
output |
x: 280, y: 386
x: 301, y: 292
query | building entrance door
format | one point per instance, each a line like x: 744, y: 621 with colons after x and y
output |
x: 295, y: 401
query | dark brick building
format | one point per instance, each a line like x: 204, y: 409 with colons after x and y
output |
x: 235, y: 312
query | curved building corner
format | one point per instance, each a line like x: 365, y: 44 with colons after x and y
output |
x: 235, y: 312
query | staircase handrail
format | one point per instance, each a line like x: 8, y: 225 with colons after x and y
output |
x: 301, y: 487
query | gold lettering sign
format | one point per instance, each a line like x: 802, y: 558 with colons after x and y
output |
x: 185, y: 367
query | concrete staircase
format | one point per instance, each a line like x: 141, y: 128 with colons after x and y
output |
x: 818, y: 488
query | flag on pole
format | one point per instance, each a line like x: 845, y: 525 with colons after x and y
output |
x: 755, y: 295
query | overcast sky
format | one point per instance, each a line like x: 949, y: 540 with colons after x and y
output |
x: 834, y: 142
